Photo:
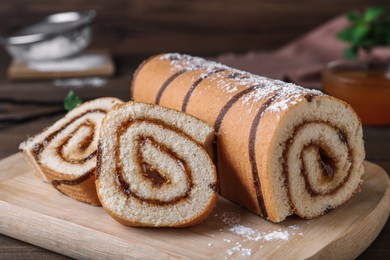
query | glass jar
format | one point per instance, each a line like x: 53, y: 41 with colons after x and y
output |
x: 365, y: 85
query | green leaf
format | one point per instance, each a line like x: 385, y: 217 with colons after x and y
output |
x: 373, y: 13
x: 351, y: 52
x: 353, y: 16
x: 360, y: 32
x: 367, y: 30
x: 369, y: 43
x: 72, y: 100
x: 346, y: 34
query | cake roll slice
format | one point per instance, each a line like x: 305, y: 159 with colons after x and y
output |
x: 280, y: 149
x: 154, y: 168
x: 64, y: 154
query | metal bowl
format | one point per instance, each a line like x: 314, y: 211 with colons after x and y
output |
x: 56, y: 36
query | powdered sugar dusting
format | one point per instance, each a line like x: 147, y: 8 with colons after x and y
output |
x: 288, y: 94
x: 241, y: 237
x: 282, y: 235
x: 238, y: 248
x: 253, y: 235
x: 186, y: 62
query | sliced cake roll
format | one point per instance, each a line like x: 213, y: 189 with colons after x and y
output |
x: 153, y: 167
x: 280, y: 148
x: 64, y: 154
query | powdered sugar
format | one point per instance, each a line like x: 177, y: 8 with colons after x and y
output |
x: 285, y: 94
x: 253, y: 235
x: 186, y: 62
x: 243, y: 231
x: 79, y: 63
x: 238, y: 248
x: 240, y: 236
x: 282, y: 235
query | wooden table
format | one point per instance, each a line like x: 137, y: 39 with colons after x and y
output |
x: 377, y: 139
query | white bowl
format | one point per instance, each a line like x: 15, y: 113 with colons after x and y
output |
x: 56, y: 36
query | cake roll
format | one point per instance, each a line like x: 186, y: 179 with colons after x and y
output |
x: 64, y: 154
x: 280, y: 149
x: 153, y: 167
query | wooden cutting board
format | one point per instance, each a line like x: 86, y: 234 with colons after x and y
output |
x: 106, y: 68
x: 32, y: 211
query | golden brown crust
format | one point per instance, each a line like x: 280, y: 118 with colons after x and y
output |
x: 197, y: 220
x: 82, y: 189
x: 245, y: 128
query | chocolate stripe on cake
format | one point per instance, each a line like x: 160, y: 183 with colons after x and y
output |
x: 166, y: 84
x: 252, y: 154
x: 135, y: 74
x: 221, y: 116
x: 229, y: 105
x: 193, y: 87
x: 320, y: 157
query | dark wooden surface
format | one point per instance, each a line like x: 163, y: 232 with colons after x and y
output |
x: 132, y: 30
x: 192, y: 26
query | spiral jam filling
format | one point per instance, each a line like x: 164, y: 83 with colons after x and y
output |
x: 328, y: 165
x: 82, y: 146
x: 149, y: 172
x: 76, y: 181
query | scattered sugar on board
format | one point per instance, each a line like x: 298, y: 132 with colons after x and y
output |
x: 288, y: 94
x: 253, y: 235
x: 282, y: 235
x: 238, y: 248
x: 234, y: 225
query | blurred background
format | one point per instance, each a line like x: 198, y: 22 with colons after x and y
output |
x: 202, y: 27
x: 129, y: 31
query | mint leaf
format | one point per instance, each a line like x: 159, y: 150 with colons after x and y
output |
x: 367, y: 43
x: 353, y: 16
x: 360, y: 32
x: 351, y: 52
x: 71, y: 101
x: 366, y: 31
x: 372, y: 13
x: 346, y: 34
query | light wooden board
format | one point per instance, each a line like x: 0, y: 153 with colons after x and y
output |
x: 20, y: 71
x: 32, y: 211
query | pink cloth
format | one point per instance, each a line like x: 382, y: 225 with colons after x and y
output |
x: 300, y: 61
